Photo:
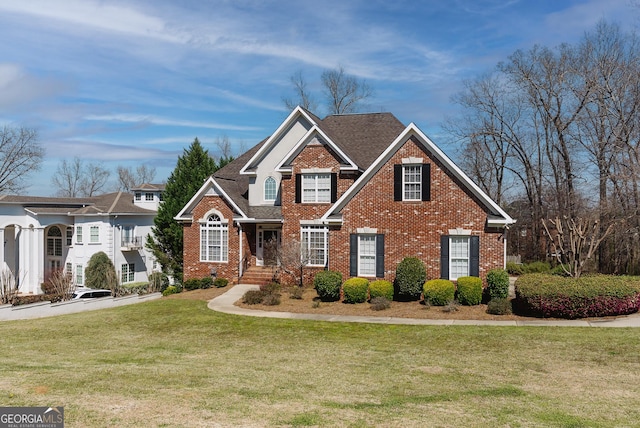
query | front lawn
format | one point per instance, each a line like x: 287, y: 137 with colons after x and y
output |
x: 173, y: 362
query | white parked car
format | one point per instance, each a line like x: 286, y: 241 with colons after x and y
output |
x: 89, y: 293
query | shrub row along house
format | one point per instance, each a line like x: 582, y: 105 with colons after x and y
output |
x: 357, y: 193
x: 42, y: 235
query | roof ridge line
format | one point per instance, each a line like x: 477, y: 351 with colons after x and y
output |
x: 117, y: 198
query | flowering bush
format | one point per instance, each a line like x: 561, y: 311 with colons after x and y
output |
x: 587, y: 296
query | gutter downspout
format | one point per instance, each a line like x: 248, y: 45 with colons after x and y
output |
x: 241, y: 252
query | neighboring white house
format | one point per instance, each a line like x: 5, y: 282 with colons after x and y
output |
x: 40, y: 235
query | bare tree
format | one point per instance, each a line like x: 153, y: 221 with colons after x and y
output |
x: 343, y: 92
x: 20, y: 154
x: 303, y: 97
x: 128, y: 178
x: 76, y: 179
x: 574, y: 241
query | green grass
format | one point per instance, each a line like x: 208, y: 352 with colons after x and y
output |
x: 175, y: 363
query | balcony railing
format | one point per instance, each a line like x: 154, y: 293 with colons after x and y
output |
x: 132, y: 243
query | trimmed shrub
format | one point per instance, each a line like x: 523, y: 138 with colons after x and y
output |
x: 100, y: 272
x: 498, y: 284
x: 191, y: 284
x: 515, y: 269
x: 327, y: 284
x: 220, y: 282
x: 499, y: 307
x: 381, y: 288
x: 380, y: 303
x: 469, y: 290
x: 272, y: 287
x: 439, y: 292
x: 253, y: 297
x: 355, y: 290
x: 537, y: 267
x: 410, y: 277
x: 271, y: 299
x: 206, y: 282
x: 172, y: 289
x: 588, y: 296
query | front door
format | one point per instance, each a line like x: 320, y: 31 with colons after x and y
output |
x: 267, y: 247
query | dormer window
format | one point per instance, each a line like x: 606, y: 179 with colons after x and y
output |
x: 270, y: 189
x: 148, y: 197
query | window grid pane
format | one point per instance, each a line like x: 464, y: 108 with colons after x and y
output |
x: 314, y: 245
x: 459, y: 255
x: 270, y: 189
x: 316, y: 188
x: 412, y: 182
x: 214, y: 240
x: 367, y: 255
x: 94, y: 234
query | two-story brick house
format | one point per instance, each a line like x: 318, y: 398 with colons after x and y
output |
x: 357, y: 192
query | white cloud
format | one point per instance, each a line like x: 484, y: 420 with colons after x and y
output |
x: 163, y: 121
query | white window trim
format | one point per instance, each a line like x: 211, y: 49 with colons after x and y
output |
x: 79, y: 275
x: 91, y: 235
x: 78, y: 234
x: 275, y: 189
x: 452, y: 258
x: 307, y: 229
x: 405, y: 183
x: 128, y: 275
x: 222, y: 226
x: 360, y: 255
x: 316, y: 189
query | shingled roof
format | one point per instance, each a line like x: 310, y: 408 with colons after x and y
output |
x: 110, y: 203
x: 362, y: 137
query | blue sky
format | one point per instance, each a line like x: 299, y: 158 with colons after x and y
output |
x: 132, y: 82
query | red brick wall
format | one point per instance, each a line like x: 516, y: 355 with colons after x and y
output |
x: 193, y: 267
x: 410, y: 228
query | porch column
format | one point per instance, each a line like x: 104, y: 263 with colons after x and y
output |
x: 2, y: 245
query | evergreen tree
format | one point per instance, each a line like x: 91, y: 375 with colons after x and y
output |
x: 193, y: 168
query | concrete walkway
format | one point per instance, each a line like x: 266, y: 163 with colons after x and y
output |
x: 225, y: 303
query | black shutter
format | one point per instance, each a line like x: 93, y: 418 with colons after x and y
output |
x: 298, y: 188
x: 353, y: 255
x: 380, y: 255
x: 444, y: 257
x: 474, y: 256
x: 334, y: 187
x: 397, y: 182
x: 426, y: 182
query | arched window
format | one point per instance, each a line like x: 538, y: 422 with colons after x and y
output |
x: 54, y: 242
x: 214, y: 240
x: 270, y: 189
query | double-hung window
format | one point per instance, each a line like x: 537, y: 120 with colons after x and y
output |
x: 69, y: 236
x: 458, y: 256
x: 366, y: 255
x: 316, y: 188
x: 214, y: 240
x: 314, y: 243
x: 78, y: 234
x: 94, y: 234
x: 411, y: 182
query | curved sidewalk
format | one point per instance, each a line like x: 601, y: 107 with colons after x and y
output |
x: 225, y: 303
